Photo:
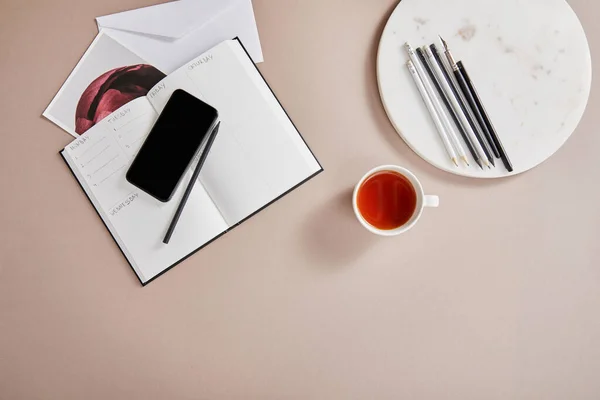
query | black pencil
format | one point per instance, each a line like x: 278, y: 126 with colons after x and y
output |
x: 471, y: 98
x: 480, y: 131
x: 501, y: 152
x: 448, y: 106
x: 190, y: 186
x: 438, y: 59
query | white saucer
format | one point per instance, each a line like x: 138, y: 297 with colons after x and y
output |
x: 529, y: 60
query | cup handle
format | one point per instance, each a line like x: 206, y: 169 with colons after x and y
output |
x: 431, y: 201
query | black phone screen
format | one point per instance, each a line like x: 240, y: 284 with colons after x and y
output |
x: 177, y: 135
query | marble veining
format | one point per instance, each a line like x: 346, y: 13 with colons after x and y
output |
x: 467, y: 32
x: 530, y: 62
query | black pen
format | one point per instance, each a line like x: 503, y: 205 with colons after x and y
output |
x: 190, y: 186
x: 501, y: 152
x: 481, y: 131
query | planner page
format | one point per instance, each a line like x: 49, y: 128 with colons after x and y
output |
x: 258, y: 154
x: 100, y: 159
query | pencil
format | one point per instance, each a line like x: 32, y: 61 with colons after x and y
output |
x: 486, y: 119
x: 449, y: 127
x: 451, y: 92
x: 463, y: 116
x: 432, y: 111
x: 445, y: 129
x: 190, y: 186
x: 469, y: 104
x: 466, y: 88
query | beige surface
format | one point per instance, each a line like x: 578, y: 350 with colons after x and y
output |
x: 496, y: 295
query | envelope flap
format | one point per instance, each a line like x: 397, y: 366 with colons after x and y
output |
x: 171, y: 20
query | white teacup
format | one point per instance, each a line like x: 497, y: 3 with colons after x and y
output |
x: 422, y: 201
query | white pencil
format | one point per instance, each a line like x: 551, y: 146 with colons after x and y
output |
x: 432, y: 111
x: 437, y: 106
x: 443, y: 112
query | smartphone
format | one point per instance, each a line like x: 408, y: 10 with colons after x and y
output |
x: 178, y: 135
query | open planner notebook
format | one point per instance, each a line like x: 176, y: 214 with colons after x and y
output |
x: 258, y: 156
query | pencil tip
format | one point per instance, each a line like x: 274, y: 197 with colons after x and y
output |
x: 454, y: 161
x: 465, y: 161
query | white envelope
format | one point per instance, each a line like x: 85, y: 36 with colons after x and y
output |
x: 169, y: 35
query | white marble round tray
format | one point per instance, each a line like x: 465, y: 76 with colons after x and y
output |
x: 529, y: 60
